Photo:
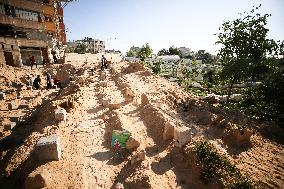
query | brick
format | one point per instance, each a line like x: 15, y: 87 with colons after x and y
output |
x: 60, y: 114
x: 183, y: 135
x: 48, y: 148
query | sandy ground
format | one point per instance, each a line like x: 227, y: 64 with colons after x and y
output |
x: 87, y: 158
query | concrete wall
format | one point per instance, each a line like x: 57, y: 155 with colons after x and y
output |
x: 29, y: 5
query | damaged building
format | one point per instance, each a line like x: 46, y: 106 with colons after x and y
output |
x: 31, y: 28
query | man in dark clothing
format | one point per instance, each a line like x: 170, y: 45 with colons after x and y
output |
x: 48, y: 81
x: 103, y: 63
x: 37, y: 82
x: 55, y: 61
x: 33, y: 62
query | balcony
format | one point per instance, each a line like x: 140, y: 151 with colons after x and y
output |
x: 50, y: 26
x: 29, y: 5
x: 21, y: 23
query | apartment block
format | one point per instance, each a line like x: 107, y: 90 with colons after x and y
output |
x: 30, y: 28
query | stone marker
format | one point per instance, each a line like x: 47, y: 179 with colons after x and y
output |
x: 132, y: 143
x: 169, y: 130
x: 2, y: 96
x: 183, y: 135
x: 37, y: 180
x: 12, y: 105
x: 48, y: 148
x: 60, y: 114
x: 9, y: 126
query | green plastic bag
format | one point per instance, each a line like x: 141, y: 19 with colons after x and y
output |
x: 119, y: 138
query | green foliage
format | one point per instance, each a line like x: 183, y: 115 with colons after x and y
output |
x: 172, y: 51
x: 130, y: 53
x: 81, y: 48
x: 215, y: 165
x: 245, y: 47
x: 156, y: 67
x: 145, y: 52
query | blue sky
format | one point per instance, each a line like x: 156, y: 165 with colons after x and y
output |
x: 162, y: 23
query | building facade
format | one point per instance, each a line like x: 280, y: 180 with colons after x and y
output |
x: 30, y: 28
x: 91, y: 45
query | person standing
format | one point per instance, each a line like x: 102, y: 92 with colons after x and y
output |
x: 103, y: 63
x: 48, y: 81
x: 33, y: 62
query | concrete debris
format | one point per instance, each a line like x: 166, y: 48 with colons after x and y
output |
x: 48, y: 148
x: 60, y: 114
x: 138, y: 156
x: 183, y: 135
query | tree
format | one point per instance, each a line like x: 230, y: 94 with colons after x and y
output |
x: 145, y: 52
x: 163, y: 52
x: 174, y: 51
x: 245, y: 47
x: 130, y: 53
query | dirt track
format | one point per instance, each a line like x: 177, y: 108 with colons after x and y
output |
x: 87, y: 159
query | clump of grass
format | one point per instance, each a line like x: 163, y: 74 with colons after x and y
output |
x: 216, y: 166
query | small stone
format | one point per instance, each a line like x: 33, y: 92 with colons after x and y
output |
x: 37, y: 180
x: 119, y: 186
x: 141, y: 155
x: 129, y: 93
x: 48, y: 148
x: 60, y: 114
x: 132, y: 143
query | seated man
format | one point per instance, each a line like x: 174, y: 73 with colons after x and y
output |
x: 36, y: 83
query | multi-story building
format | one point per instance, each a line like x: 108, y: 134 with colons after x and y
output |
x: 92, y: 45
x: 30, y: 28
x: 99, y: 46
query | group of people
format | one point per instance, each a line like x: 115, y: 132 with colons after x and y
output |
x: 36, y: 83
x: 34, y: 63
